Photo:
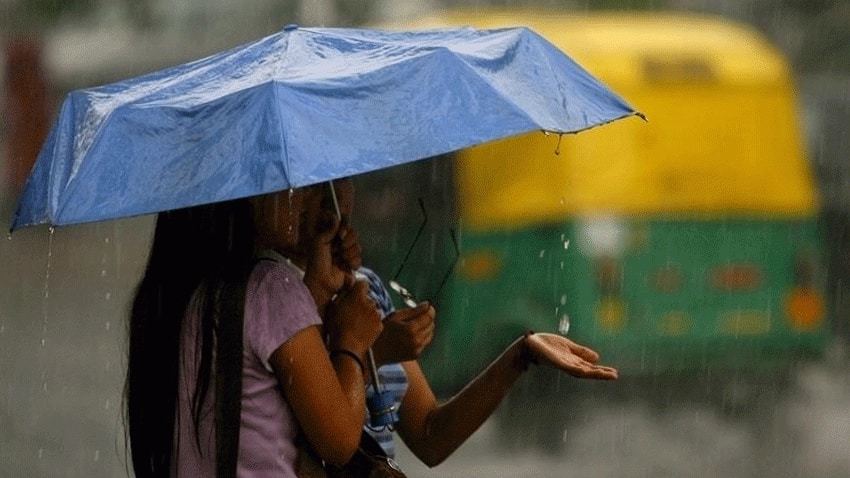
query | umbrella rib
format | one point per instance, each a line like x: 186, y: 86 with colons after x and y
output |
x: 588, y: 77
x: 284, y: 144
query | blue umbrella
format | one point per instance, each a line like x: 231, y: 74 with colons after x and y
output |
x: 302, y: 106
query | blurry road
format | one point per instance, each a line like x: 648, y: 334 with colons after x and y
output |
x: 62, y: 327
x: 811, y: 439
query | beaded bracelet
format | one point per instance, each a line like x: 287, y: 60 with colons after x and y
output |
x: 352, y: 355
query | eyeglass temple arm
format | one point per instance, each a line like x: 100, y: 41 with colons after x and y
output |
x: 415, y: 239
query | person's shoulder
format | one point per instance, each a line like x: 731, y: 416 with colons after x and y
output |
x: 273, y: 271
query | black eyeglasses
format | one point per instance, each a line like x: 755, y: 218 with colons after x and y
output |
x: 405, y: 294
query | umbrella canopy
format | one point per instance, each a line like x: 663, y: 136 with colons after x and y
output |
x: 302, y: 106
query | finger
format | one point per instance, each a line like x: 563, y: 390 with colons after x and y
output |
x: 348, y: 281
x: 327, y: 235
x: 605, y: 373
x: 584, y: 352
x: 598, y: 372
x: 414, y: 313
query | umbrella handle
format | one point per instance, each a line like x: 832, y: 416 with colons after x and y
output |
x: 382, y: 408
x: 376, y: 382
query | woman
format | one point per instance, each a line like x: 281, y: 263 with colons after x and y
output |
x: 206, y: 284
x: 433, y: 430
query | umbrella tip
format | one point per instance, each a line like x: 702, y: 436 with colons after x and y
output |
x: 290, y: 27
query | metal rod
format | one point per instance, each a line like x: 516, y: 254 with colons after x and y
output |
x: 376, y: 382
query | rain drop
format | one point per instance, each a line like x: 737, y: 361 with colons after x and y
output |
x: 108, y: 295
x: 563, y: 299
x: 558, y: 148
x: 542, y: 253
x: 107, y: 404
x: 40, y: 453
x: 108, y: 325
x: 9, y: 236
x: 567, y: 244
x: 564, y: 325
x: 96, y: 455
x: 103, y: 272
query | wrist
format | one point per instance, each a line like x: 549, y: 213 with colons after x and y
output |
x: 347, y: 354
x: 525, y: 357
x: 321, y: 294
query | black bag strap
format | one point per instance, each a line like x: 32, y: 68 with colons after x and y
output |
x: 228, y: 384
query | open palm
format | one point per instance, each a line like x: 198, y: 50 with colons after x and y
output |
x: 564, y: 354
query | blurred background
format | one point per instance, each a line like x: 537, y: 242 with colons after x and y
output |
x: 705, y: 252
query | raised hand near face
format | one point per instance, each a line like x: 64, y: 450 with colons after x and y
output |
x: 352, y: 321
x: 321, y: 275
x: 346, y: 248
x: 564, y: 354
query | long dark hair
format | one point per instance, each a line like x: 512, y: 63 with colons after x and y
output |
x: 208, y: 249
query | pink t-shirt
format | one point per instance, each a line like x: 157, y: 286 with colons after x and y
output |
x: 277, y: 306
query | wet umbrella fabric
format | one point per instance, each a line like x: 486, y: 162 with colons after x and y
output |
x: 300, y: 107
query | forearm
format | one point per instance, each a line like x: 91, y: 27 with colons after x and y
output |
x: 450, y: 424
x: 352, y: 379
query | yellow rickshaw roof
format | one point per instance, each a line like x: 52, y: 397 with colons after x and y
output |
x: 723, y: 134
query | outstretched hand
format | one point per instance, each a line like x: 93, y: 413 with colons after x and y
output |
x: 564, y: 354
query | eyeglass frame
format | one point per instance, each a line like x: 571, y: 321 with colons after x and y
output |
x: 405, y: 294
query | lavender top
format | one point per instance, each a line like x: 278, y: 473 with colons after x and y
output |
x: 277, y: 306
